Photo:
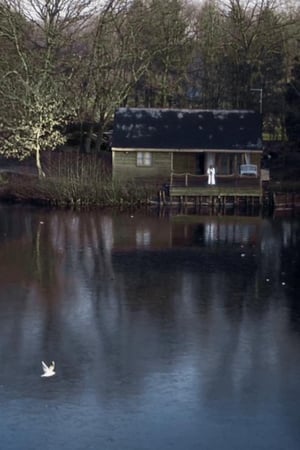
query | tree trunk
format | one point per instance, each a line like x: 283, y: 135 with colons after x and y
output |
x: 41, y: 173
x: 88, y: 139
x: 99, y: 138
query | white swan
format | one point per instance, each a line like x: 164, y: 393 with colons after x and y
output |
x: 48, y: 371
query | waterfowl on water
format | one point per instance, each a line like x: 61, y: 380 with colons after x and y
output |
x: 48, y: 371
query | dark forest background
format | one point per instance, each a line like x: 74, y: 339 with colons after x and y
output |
x: 66, y: 65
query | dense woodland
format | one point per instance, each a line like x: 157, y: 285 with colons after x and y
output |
x: 67, y: 62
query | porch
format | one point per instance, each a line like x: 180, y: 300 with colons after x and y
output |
x: 187, y: 188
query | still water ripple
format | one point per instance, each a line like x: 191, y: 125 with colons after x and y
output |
x: 168, y: 331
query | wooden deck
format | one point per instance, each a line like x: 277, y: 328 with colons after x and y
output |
x: 188, y: 188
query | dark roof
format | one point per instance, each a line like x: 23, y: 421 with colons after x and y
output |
x: 187, y: 129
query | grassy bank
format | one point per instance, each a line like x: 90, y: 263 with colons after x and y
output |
x: 73, y: 181
x: 76, y: 180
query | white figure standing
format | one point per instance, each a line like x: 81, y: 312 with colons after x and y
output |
x: 211, y: 172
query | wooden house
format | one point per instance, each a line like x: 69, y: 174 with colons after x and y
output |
x: 174, y: 148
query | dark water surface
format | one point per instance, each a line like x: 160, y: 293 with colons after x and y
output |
x: 168, y: 332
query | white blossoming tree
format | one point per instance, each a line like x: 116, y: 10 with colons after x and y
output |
x: 38, y: 36
x: 38, y: 128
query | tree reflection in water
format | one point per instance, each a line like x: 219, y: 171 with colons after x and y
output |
x: 149, y: 307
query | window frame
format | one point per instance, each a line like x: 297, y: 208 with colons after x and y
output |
x: 143, y: 159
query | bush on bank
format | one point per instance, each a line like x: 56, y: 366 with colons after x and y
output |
x: 74, y: 181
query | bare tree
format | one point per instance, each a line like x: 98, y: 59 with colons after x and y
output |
x: 41, y: 33
x: 166, y: 37
x: 114, y: 64
x: 255, y: 36
x: 206, y: 71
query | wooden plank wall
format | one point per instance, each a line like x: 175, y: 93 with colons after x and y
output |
x: 125, y: 167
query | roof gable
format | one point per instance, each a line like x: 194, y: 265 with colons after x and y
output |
x: 187, y: 129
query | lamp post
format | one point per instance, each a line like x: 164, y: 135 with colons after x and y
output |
x: 260, y: 97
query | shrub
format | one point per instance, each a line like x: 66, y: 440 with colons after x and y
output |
x: 76, y: 180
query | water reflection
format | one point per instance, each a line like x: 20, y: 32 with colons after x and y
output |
x: 193, y: 317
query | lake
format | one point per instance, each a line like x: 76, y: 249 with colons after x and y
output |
x: 168, y: 330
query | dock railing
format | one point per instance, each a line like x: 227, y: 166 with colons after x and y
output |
x: 186, y: 179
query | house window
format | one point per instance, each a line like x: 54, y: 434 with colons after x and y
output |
x: 144, y: 159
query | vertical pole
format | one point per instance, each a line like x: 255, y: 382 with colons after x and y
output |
x: 172, y: 167
x: 260, y: 100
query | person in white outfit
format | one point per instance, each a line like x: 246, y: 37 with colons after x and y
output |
x: 211, y: 172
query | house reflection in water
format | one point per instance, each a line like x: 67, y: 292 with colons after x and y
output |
x: 143, y: 237
x: 149, y: 233
x: 212, y: 230
x: 141, y: 232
